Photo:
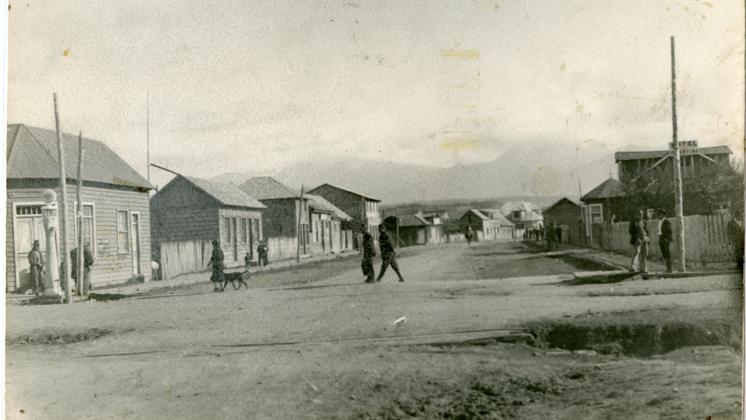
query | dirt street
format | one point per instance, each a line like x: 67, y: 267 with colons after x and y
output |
x: 315, y: 342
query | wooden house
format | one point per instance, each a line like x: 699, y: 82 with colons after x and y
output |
x: 189, y: 213
x: 568, y: 215
x: 331, y: 231
x: 488, y: 224
x: 363, y: 209
x: 280, y: 217
x: 116, y: 215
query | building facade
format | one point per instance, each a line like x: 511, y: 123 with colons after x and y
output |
x: 364, y: 210
x: 659, y: 163
x: 488, y: 224
x: 568, y: 215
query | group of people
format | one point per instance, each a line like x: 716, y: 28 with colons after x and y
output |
x: 388, y: 255
x: 36, y: 267
x: 640, y: 239
x: 536, y: 234
x: 553, y: 233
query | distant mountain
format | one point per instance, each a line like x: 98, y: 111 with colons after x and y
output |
x: 528, y: 169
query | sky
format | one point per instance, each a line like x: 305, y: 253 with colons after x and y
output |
x: 256, y: 86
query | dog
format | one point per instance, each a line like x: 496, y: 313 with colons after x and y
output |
x: 237, y: 277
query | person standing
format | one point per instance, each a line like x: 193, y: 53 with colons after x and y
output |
x: 558, y: 234
x: 368, y: 253
x: 551, y: 236
x: 87, y: 263
x: 469, y: 236
x: 36, y: 266
x: 263, y: 250
x: 638, y: 238
x: 216, y: 262
x: 247, y: 261
x: 665, y: 236
x: 388, y: 255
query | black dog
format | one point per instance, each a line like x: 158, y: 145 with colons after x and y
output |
x: 237, y: 277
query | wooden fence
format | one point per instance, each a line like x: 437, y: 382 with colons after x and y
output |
x: 184, y: 257
x: 282, y: 248
x: 706, y: 238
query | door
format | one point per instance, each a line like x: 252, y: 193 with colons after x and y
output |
x: 136, y: 251
x: 234, y: 239
x: 251, y: 239
x: 29, y: 227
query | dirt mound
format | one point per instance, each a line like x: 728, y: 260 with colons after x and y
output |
x: 56, y: 337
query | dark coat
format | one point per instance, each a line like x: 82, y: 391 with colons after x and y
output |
x: 368, y: 251
x: 666, y: 232
x: 216, y: 261
x: 87, y: 262
x: 387, y: 248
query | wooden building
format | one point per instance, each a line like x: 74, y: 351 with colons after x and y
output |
x: 116, y: 214
x: 280, y: 217
x: 488, y: 224
x: 568, y: 215
x: 189, y: 213
x: 363, y: 209
x: 659, y: 163
x: 331, y: 230
x: 525, y: 216
x: 605, y: 202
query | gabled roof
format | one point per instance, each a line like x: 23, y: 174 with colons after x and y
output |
x: 226, y: 194
x: 320, y: 203
x: 267, y: 188
x: 409, y: 220
x: 31, y: 153
x: 611, y: 188
x: 560, y: 201
x: 367, y: 197
x: 490, y: 214
x: 657, y: 154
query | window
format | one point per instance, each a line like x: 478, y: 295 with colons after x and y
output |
x: 257, y: 232
x: 597, y: 214
x: 123, y: 237
x: 316, y: 229
x: 88, y: 227
x: 227, y: 222
x: 28, y: 210
x: 244, y: 231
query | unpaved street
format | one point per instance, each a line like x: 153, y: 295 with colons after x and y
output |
x: 315, y: 342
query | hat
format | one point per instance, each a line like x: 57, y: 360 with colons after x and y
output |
x: 36, y: 243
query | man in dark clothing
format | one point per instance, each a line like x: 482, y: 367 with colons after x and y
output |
x: 469, y: 236
x: 262, y: 251
x: 551, y: 236
x: 87, y: 263
x: 36, y: 266
x: 638, y: 238
x: 665, y: 236
x: 368, y: 254
x: 388, y: 255
x: 216, y: 262
x: 558, y: 234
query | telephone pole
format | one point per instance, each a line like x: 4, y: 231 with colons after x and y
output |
x: 678, y: 190
x: 63, y: 205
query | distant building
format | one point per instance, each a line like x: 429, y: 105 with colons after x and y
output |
x: 488, y: 224
x: 189, y: 213
x: 281, y: 217
x: 116, y: 214
x: 414, y: 229
x: 331, y: 228
x: 660, y: 162
x: 363, y: 208
x: 605, y: 202
x: 524, y: 216
x: 568, y: 215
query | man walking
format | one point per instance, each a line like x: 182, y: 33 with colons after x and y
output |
x: 665, y: 236
x: 368, y: 254
x: 216, y: 262
x: 638, y: 238
x: 388, y: 255
x: 36, y: 265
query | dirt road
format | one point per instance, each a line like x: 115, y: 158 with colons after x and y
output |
x: 315, y: 342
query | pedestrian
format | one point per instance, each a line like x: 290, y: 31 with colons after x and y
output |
x: 216, y: 262
x: 551, y: 236
x: 87, y: 263
x: 36, y: 267
x: 263, y: 251
x: 665, y: 236
x: 368, y: 253
x: 154, y: 267
x: 247, y: 261
x: 558, y: 234
x: 638, y: 238
x: 388, y: 255
x: 736, y: 236
x: 469, y: 236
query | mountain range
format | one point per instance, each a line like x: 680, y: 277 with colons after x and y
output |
x: 527, y: 169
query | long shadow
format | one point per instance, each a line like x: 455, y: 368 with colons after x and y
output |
x: 604, y: 278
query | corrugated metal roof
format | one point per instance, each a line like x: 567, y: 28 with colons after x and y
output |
x: 347, y: 190
x: 226, y: 193
x: 611, y: 188
x: 267, y: 188
x: 657, y: 154
x: 321, y: 203
x: 32, y: 154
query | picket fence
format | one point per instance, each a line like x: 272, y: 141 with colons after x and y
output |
x: 706, y: 238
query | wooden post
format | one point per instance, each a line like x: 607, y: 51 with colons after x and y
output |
x: 147, y: 129
x: 81, y: 287
x: 297, y: 231
x: 678, y: 190
x: 63, y: 204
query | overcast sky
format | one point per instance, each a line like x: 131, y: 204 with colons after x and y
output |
x: 258, y: 85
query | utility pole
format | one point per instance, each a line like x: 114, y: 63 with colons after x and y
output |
x: 63, y: 204
x: 678, y: 190
x: 300, y: 217
x: 79, y: 212
x: 147, y: 128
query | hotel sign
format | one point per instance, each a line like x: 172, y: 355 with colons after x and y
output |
x: 688, y: 147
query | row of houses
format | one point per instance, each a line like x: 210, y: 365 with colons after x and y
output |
x: 126, y: 228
